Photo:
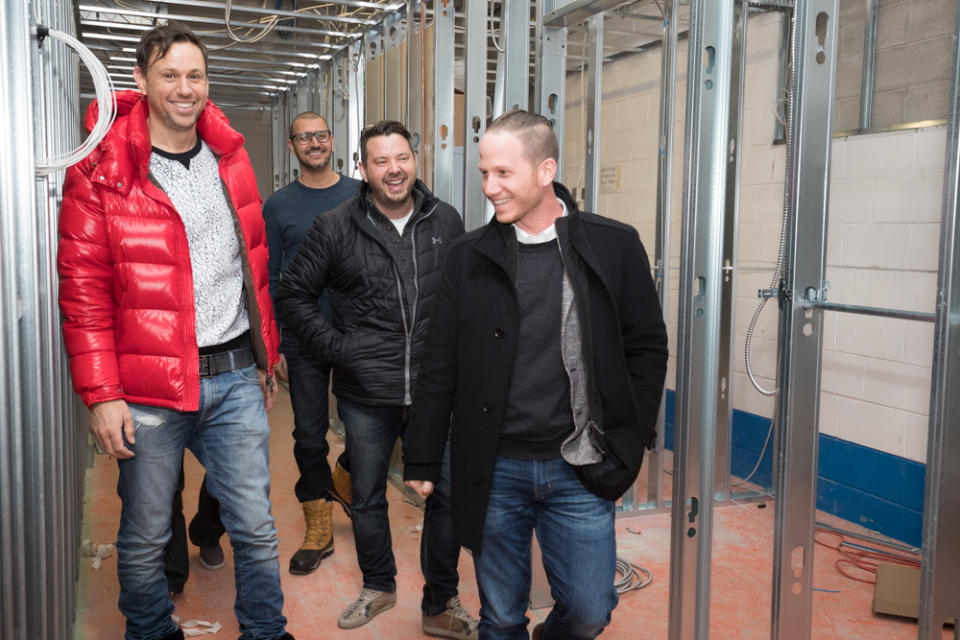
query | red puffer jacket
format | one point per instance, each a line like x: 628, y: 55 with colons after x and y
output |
x: 126, y: 285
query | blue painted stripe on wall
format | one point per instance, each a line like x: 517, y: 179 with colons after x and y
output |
x: 877, y: 490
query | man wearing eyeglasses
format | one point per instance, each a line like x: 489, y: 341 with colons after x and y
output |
x: 288, y: 214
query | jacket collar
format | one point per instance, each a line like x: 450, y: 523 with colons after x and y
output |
x: 126, y: 148
x: 421, y: 195
x: 498, y: 241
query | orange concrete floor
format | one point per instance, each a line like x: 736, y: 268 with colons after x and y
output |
x: 741, y: 575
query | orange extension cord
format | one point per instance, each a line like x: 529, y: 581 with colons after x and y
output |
x: 853, y: 560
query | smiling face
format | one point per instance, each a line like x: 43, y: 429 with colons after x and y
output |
x: 390, y: 170
x: 519, y: 188
x: 314, y: 155
x: 176, y: 88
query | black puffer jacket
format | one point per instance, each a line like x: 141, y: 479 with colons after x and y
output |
x: 374, y: 342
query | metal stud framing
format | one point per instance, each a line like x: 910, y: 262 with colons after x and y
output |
x: 801, y: 329
x: 668, y: 81
x: 517, y: 55
x: 443, y: 20
x: 42, y: 429
x: 700, y: 311
x: 474, y: 111
x: 550, y: 86
x: 939, y: 596
x: 594, y: 101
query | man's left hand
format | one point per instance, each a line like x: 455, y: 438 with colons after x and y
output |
x: 269, y: 388
x: 423, y: 487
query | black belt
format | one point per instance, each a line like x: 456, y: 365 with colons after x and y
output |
x: 214, y: 364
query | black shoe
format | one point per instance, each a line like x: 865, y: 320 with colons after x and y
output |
x: 176, y: 635
x: 212, y: 557
x: 286, y: 636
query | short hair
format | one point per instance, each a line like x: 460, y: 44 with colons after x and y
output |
x: 533, y: 130
x: 310, y: 115
x: 159, y: 40
x: 382, y: 128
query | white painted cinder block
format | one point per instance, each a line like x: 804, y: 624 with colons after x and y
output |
x: 873, y: 245
x: 930, y: 150
x: 870, y: 336
x: 918, y: 343
x: 912, y: 291
x: 896, y: 384
x: 913, y: 198
x: 829, y: 414
x: 849, y: 286
x: 918, y: 428
x: 842, y: 374
x: 850, y: 201
x: 873, y: 426
x: 925, y: 246
x: 882, y: 154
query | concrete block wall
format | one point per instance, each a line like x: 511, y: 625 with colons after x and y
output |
x: 913, y: 56
x: 883, y: 239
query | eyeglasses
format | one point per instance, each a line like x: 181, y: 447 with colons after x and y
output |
x: 304, y: 138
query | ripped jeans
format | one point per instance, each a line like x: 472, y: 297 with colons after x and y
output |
x: 229, y: 435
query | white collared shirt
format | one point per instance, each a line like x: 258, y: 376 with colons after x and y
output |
x: 547, y: 235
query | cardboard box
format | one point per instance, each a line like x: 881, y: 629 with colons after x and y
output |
x: 897, y: 591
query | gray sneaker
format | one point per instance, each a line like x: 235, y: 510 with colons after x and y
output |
x: 369, y: 604
x: 452, y: 622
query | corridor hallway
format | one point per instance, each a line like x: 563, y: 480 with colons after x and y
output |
x: 740, y: 601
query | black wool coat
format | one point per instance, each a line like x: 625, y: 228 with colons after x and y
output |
x: 469, y: 353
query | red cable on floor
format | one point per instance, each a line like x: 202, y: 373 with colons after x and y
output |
x: 860, y: 559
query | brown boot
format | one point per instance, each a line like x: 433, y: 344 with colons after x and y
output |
x: 318, y: 538
x: 340, y: 488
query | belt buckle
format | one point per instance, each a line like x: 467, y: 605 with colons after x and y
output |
x: 204, y: 366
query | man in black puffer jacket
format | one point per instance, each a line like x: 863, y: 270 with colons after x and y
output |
x: 378, y: 256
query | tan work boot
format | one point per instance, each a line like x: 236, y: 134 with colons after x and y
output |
x: 318, y: 538
x: 340, y: 488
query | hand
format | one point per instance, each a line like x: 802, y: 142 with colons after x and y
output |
x: 423, y: 487
x: 280, y: 369
x: 269, y: 388
x: 109, y: 422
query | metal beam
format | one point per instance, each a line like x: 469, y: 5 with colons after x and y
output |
x: 801, y: 327
x: 474, y: 111
x: 577, y: 12
x: 940, y: 573
x: 551, y: 75
x: 700, y: 316
x: 517, y: 54
x: 300, y: 15
x: 594, y: 102
x: 728, y: 279
x: 443, y: 99
x: 201, y: 20
x: 869, y: 63
x: 668, y: 82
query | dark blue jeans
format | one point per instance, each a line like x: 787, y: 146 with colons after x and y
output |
x: 229, y: 435
x: 309, y: 380
x: 577, y: 540
x: 371, y: 434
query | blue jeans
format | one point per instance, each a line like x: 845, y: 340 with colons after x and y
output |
x: 229, y: 435
x: 577, y: 540
x: 371, y: 434
x: 309, y: 380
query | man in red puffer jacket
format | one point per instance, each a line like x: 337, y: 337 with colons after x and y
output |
x: 170, y: 329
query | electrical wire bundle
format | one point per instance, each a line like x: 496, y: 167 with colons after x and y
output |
x: 856, y: 557
x: 633, y: 576
x: 105, y: 100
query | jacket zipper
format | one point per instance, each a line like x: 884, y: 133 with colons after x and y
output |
x: 408, y: 329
